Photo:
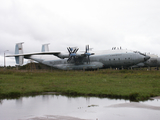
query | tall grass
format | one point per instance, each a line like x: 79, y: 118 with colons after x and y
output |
x: 127, y: 84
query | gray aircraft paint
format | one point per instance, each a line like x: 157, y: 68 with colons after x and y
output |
x: 154, y: 61
x: 114, y: 59
x: 117, y: 58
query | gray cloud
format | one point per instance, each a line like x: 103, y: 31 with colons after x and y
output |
x: 103, y: 24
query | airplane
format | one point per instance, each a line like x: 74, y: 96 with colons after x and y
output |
x: 83, y: 60
x: 154, y: 61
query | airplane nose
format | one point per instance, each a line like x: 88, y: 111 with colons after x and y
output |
x: 146, y: 58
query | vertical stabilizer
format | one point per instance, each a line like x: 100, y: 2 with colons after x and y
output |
x: 19, y: 50
x: 45, y: 48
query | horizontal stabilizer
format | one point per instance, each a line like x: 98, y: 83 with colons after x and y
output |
x: 45, y: 48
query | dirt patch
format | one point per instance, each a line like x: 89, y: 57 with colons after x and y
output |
x: 158, y: 97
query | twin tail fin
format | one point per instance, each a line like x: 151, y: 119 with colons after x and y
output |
x: 19, y: 50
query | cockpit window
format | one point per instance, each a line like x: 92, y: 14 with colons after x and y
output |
x: 142, y: 53
x: 139, y: 53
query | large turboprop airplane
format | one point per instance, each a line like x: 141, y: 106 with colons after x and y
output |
x: 74, y: 60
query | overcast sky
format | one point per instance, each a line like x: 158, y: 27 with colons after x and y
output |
x: 103, y: 24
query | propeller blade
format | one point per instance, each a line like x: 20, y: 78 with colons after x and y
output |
x: 69, y: 59
x: 87, y: 54
x: 86, y: 49
x: 69, y: 50
x: 72, y: 54
x: 76, y: 50
x: 88, y: 59
x: 74, y: 59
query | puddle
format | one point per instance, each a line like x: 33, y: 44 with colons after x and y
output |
x: 58, y: 107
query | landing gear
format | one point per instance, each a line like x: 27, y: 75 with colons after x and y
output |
x: 157, y: 68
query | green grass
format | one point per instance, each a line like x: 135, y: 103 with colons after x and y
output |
x: 135, y: 85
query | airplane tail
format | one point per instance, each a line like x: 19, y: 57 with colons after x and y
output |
x: 19, y: 50
x: 45, y: 48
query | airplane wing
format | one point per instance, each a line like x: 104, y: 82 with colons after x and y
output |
x: 72, y: 55
x: 38, y: 53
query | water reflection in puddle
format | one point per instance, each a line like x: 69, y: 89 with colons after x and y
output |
x: 57, y: 107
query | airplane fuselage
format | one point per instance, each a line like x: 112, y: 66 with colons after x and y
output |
x: 101, y: 59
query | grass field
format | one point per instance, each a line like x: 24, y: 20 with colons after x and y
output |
x: 134, y: 85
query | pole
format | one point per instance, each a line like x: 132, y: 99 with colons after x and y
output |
x: 5, y: 59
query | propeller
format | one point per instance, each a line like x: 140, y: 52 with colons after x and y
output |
x: 88, y: 54
x: 72, y: 54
